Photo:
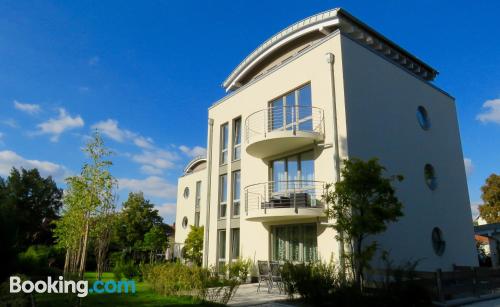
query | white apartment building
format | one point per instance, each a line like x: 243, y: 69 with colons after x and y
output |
x: 324, y: 89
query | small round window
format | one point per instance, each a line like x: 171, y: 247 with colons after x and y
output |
x: 186, y: 192
x: 430, y: 177
x: 438, y: 242
x: 423, y: 118
x: 184, y: 222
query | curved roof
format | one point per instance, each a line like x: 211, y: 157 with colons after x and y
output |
x: 326, y: 22
x: 194, y: 163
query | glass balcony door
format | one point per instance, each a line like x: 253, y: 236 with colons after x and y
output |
x: 296, y: 242
x: 292, y: 111
x: 293, y: 172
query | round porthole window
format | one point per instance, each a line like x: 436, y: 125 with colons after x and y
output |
x: 430, y: 176
x: 423, y: 118
x: 438, y: 242
x: 186, y: 192
x: 184, y: 222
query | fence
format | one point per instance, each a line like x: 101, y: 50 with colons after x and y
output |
x: 463, y: 282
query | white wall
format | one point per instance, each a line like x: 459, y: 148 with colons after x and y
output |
x: 381, y: 105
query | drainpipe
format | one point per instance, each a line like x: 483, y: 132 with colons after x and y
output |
x: 209, y: 188
x: 330, y: 59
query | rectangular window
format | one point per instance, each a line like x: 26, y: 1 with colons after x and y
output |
x: 236, y: 192
x: 224, y: 139
x: 235, y: 243
x: 292, y: 111
x: 198, y: 195
x: 237, y: 139
x: 222, y: 195
x: 221, y: 250
x: 294, y: 242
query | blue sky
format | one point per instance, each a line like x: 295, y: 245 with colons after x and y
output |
x: 145, y: 72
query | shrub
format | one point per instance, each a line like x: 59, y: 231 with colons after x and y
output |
x: 179, y: 279
x: 239, y: 269
x: 126, y: 269
x: 39, y: 260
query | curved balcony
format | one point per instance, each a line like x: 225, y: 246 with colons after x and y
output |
x: 276, y: 130
x: 284, y: 200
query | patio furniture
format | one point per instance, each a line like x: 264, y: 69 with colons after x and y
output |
x: 275, y: 270
x: 264, y: 275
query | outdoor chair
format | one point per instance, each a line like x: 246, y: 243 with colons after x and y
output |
x: 264, y: 275
x: 275, y: 270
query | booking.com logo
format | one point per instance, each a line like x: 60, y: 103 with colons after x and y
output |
x: 81, y: 287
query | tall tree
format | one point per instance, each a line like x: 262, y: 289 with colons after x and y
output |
x: 138, y: 216
x: 490, y: 209
x: 155, y: 240
x: 361, y: 204
x: 36, y: 201
x: 89, y: 204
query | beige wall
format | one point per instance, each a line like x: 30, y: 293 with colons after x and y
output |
x: 382, y: 101
x: 309, y: 67
x: 186, y: 207
x: 376, y: 110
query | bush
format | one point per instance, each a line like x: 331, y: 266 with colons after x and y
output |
x: 315, y: 282
x: 179, y: 279
x: 126, y: 269
x: 39, y: 260
x: 321, y: 284
x: 239, y: 269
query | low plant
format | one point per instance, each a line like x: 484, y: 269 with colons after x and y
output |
x: 179, y: 280
x: 126, y: 269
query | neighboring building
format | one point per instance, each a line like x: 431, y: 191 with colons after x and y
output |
x: 325, y: 89
x: 191, y: 200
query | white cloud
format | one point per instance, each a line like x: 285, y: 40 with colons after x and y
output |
x: 93, y: 61
x: 469, y: 167
x: 152, y: 186
x: 474, y: 207
x: 151, y: 170
x: 10, y: 159
x: 193, y: 152
x: 492, y: 112
x: 56, y: 126
x: 27, y: 107
x: 167, y: 210
x: 155, y: 161
x: 111, y: 129
x: 10, y: 122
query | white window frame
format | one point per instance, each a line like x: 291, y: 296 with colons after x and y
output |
x: 224, y: 143
x: 235, y: 200
x: 222, y: 203
x: 236, y: 146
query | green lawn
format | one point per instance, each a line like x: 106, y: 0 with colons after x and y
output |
x: 143, y: 296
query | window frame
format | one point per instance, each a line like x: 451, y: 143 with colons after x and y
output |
x: 221, y: 193
x: 233, y: 189
x: 286, y: 166
x: 233, y: 232
x: 197, y: 201
x: 236, y: 145
x: 296, y: 120
x: 221, y: 243
x: 224, y: 144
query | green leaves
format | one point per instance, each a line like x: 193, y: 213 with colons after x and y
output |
x: 490, y: 210
x: 361, y: 204
x: 193, y: 245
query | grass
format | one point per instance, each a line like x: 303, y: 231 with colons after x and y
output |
x: 143, y: 296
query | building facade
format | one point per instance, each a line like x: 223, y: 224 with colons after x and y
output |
x: 325, y: 89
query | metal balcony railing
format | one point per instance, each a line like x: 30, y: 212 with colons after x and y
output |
x: 295, y: 118
x: 294, y: 194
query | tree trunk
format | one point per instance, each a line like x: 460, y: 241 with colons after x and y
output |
x: 83, y: 258
x: 66, y: 262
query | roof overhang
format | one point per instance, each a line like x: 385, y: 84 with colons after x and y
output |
x: 326, y: 22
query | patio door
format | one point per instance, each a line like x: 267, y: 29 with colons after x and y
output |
x: 295, y: 242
